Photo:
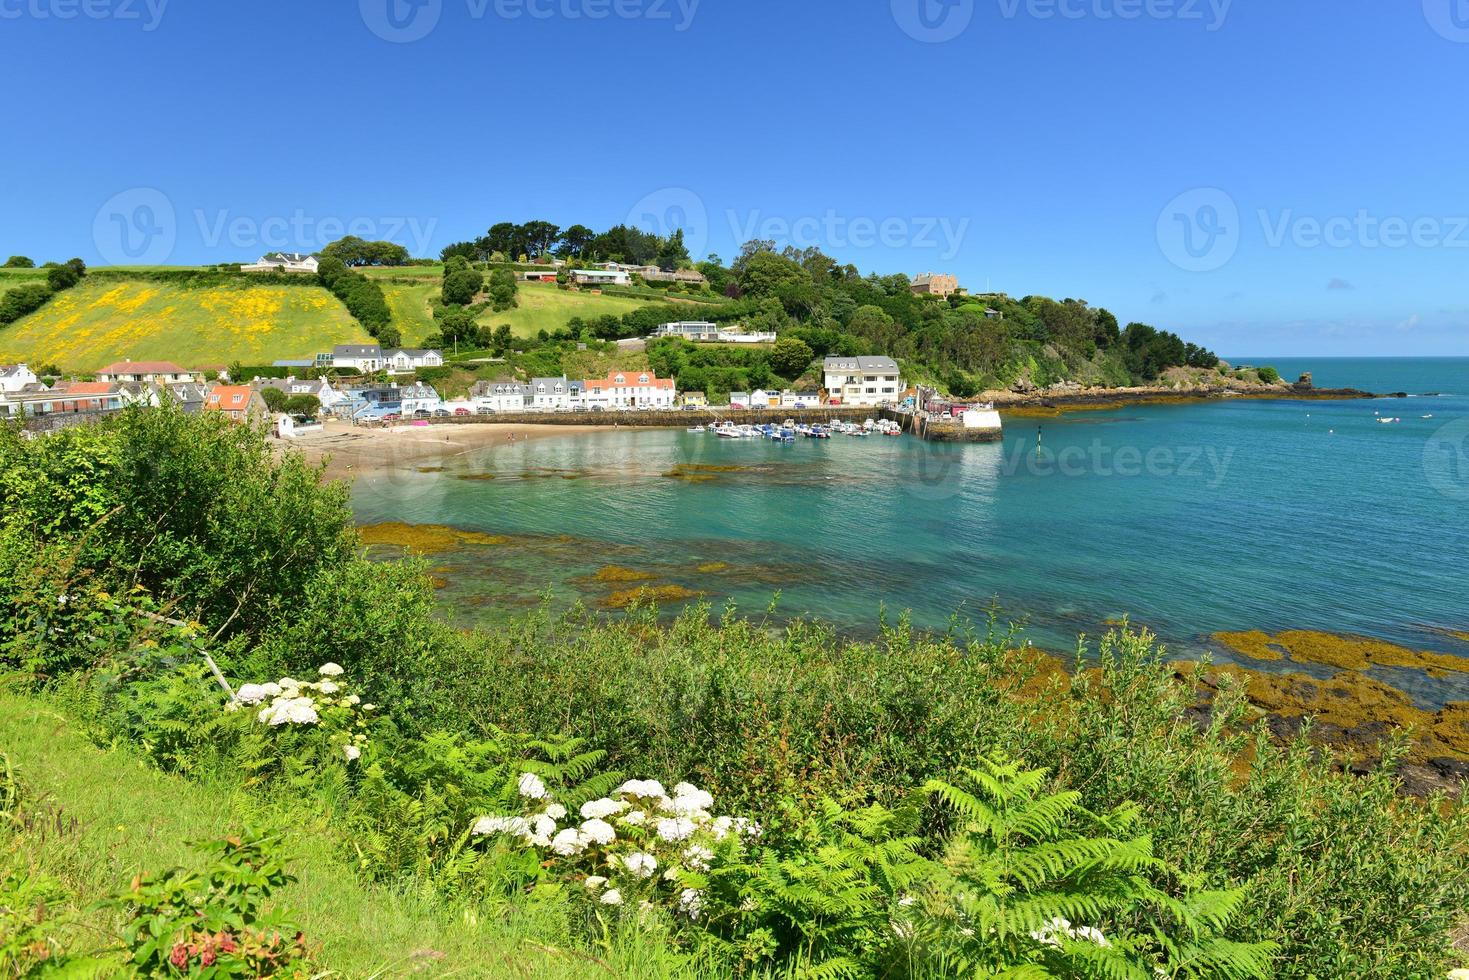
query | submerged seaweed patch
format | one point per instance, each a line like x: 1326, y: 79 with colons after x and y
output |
x: 426, y: 539
x: 1342, y: 651
x: 659, y: 594
x: 616, y: 574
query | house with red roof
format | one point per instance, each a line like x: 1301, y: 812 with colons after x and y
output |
x: 628, y: 389
x: 239, y: 403
x: 146, y: 372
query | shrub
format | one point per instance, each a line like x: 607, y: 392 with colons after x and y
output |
x: 22, y: 300
x: 1268, y: 375
x: 19, y: 262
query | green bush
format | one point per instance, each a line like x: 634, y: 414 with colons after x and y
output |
x: 1268, y: 375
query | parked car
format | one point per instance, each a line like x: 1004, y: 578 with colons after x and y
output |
x: 391, y: 417
x: 485, y: 410
x: 441, y: 413
x: 461, y: 411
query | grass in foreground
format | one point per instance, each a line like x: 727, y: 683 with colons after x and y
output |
x: 94, y: 818
x: 102, y: 321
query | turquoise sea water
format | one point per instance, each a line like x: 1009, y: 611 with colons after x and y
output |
x: 1190, y: 519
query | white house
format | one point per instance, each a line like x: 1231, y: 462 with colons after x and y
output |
x: 865, y: 381
x: 500, y: 396
x: 622, y: 390
x: 146, y: 372
x: 763, y: 399
x: 364, y: 357
x: 14, y: 377
x: 418, y: 397
x: 800, y: 399
x: 406, y: 360
x: 321, y: 388
x: 701, y: 332
x: 550, y: 394
x: 601, y: 277
x: 285, y: 262
x: 739, y: 399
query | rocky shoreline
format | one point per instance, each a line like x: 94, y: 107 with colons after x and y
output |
x: 1063, y: 398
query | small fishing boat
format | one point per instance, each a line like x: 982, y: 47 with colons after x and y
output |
x: 1387, y: 421
x: 1428, y: 416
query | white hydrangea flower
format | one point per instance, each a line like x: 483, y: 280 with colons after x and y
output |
x: 353, y: 699
x: 611, y: 897
x: 642, y: 788
x: 595, y: 881
x: 251, y: 694
x: 721, y: 827
x: 542, y: 829
x: 598, y: 832
x: 327, y: 687
x: 598, y: 809
x: 556, y: 811
x: 330, y: 670
x: 746, y: 827
x: 352, y: 752
x: 635, y: 819
x: 531, y: 787
x: 675, y: 828
x: 691, y: 902
x: 698, y: 857
x: 693, y: 796
x: 272, y: 689
x: 568, y: 842
x: 640, y: 864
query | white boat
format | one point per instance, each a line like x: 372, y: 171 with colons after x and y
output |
x: 1387, y: 421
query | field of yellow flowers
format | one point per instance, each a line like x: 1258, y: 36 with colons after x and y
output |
x: 102, y: 321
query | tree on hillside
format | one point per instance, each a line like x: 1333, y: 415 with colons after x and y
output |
x: 673, y: 254
x: 307, y: 405
x: 354, y: 251
x: 16, y: 303
x: 503, y: 289
x: 468, y: 251
x: 67, y: 275
x: 504, y: 237
x: 329, y: 270
x: 19, y: 262
x: 274, y: 398
x: 790, y: 357
x: 766, y: 273
x: 575, y: 241
x: 539, y: 237
x: 461, y: 287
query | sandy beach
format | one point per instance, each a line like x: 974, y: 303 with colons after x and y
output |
x: 351, y: 450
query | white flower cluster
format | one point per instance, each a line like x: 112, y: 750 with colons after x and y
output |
x: 1050, y: 934
x: 625, y: 839
x: 293, y: 702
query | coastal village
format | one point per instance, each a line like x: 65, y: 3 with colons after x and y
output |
x: 367, y: 384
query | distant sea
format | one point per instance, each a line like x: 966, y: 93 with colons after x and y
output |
x: 1189, y: 519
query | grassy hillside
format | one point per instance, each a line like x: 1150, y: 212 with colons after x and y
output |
x: 104, y: 320
x: 543, y: 306
x: 10, y: 278
x: 112, y: 817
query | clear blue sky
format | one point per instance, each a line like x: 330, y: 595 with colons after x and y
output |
x: 1021, y: 148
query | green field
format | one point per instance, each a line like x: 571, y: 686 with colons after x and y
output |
x: 10, y: 278
x: 544, y: 306
x: 102, y: 321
